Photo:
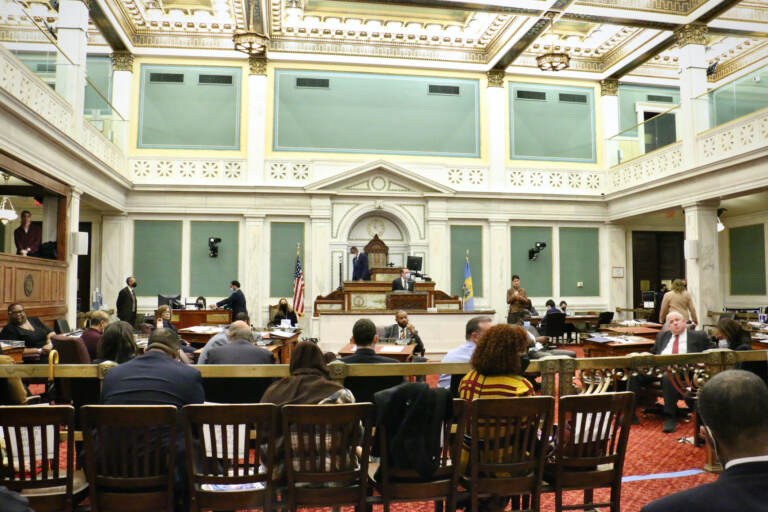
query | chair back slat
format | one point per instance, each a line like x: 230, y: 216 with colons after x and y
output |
x: 33, y: 451
x: 130, y: 449
x: 320, y: 444
x: 507, y: 443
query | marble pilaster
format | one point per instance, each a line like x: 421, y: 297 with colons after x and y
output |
x: 72, y: 38
x: 701, y: 272
x: 73, y: 226
x: 115, y: 261
x: 500, y: 269
x: 495, y: 108
x: 255, y: 281
x: 257, y: 119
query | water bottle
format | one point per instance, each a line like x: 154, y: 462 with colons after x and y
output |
x: 95, y: 300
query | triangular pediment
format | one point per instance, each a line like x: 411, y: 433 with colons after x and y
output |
x: 379, y: 178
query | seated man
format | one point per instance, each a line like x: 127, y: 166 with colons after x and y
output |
x: 364, y: 337
x: 734, y: 409
x: 240, y: 349
x: 473, y: 331
x: 677, y: 340
x: 402, y: 329
x: 536, y: 341
x: 403, y: 282
x: 220, y: 339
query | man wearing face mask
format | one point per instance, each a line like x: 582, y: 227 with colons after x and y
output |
x: 733, y: 406
x: 403, y: 282
x: 236, y: 301
x: 126, y: 302
x: 285, y: 312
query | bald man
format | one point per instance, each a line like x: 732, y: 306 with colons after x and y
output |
x: 404, y: 330
x: 677, y: 340
x: 221, y: 339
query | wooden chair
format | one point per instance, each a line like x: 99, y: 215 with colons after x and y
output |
x: 590, y: 445
x: 363, y: 388
x: 554, y: 327
x: 321, y: 454
x: 31, y: 436
x: 219, y: 440
x: 506, y: 452
x: 130, y: 456
x: 78, y: 392
x: 405, y: 485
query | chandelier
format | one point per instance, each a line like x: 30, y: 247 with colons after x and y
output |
x: 7, y: 212
x: 553, y: 61
x: 252, y: 40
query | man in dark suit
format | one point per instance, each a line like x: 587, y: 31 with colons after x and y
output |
x: 235, y: 302
x: 677, y: 340
x: 403, y: 282
x: 734, y: 409
x: 364, y: 337
x: 240, y: 350
x: 360, y: 271
x: 126, y: 302
x: 404, y: 330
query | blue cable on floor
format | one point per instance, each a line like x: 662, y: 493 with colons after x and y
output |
x: 657, y: 476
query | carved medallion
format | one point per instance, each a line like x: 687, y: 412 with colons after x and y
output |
x: 29, y: 285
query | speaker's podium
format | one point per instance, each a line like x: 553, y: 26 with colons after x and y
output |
x: 402, y: 299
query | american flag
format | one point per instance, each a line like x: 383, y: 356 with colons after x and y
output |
x: 298, y: 288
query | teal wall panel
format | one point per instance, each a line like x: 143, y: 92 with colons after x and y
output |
x: 188, y: 114
x: 157, y: 256
x: 747, y: 260
x: 211, y: 276
x: 375, y: 113
x: 463, y: 238
x: 282, y: 256
x: 579, y: 261
x: 630, y: 95
x: 551, y: 128
x: 535, y: 276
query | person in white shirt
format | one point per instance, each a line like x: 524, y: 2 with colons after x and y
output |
x: 733, y: 407
x: 474, y: 330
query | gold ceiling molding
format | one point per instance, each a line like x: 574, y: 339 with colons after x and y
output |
x: 731, y: 66
x: 586, y: 65
x: 122, y: 61
x: 679, y: 7
x: 257, y: 65
x: 495, y: 77
x: 691, y: 34
x: 609, y: 87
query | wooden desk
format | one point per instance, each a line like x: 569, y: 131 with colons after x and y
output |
x: 615, y: 349
x: 15, y: 353
x: 759, y: 344
x: 403, y: 354
x: 281, y: 349
x: 197, y: 336
x: 407, y: 300
x: 645, y: 332
x: 183, y: 318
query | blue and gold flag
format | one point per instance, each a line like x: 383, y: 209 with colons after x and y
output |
x: 469, y: 295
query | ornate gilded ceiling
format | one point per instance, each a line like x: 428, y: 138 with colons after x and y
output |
x: 604, y: 38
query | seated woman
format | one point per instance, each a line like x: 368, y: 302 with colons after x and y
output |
x: 117, y: 344
x: 496, y: 373
x: 200, y: 303
x: 284, y: 312
x: 730, y: 331
x: 97, y: 321
x: 163, y: 318
x: 30, y: 330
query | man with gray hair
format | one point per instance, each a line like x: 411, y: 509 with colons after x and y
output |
x: 220, y: 339
x: 677, y: 340
x: 474, y: 330
x: 733, y: 406
x: 240, y: 349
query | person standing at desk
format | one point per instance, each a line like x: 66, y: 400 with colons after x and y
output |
x: 126, y: 302
x: 360, y: 271
x: 236, y: 301
x: 517, y: 298
x: 27, y: 236
x: 403, y: 282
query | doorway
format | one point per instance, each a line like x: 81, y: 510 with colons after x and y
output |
x: 657, y: 257
x: 84, y: 273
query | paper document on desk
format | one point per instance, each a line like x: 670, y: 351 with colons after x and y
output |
x: 391, y: 349
x: 202, y: 329
x: 279, y: 333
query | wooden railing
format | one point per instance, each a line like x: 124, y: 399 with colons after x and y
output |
x: 560, y: 375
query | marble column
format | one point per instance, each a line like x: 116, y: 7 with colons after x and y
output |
x: 702, y: 262
x: 616, y: 241
x: 115, y: 257
x: 694, y: 116
x: 609, y: 102
x: 122, y: 77
x: 257, y: 118
x: 438, y: 264
x: 50, y: 217
x: 256, y: 281
x: 501, y: 264
x: 73, y: 226
x: 318, y: 264
x: 72, y: 37
x: 495, y: 109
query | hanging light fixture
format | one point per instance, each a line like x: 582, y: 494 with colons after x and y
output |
x: 720, y: 225
x: 7, y: 212
x: 253, y: 40
x: 553, y: 61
